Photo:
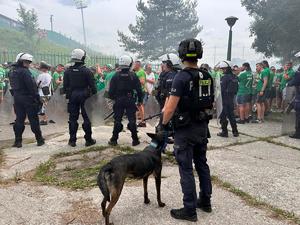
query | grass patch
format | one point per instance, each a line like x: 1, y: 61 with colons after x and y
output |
x: 252, y: 201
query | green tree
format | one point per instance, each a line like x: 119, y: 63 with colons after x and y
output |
x: 29, y: 20
x: 161, y: 26
x: 276, y: 27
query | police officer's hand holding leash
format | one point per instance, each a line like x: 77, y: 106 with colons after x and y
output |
x: 191, y: 98
x: 26, y: 99
x: 79, y: 84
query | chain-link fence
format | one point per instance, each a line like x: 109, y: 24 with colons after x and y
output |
x: 55, y: 59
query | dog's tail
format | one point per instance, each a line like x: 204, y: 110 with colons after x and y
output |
x: 102, y: 182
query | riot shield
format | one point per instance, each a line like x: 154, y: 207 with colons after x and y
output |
x: 218, y: 96
x: 288, y: 123
x: 7, y: 114
x: 151, y: 109
x: 99, y: 108
x: 57, y: 108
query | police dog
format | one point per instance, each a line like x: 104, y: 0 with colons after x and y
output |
x: 140, y: 165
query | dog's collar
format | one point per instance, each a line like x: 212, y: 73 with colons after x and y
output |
x: 153, y: 144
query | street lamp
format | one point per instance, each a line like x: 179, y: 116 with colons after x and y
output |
x: 231, y: 21
x: 82, y: 4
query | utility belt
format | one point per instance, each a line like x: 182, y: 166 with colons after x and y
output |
x: 129, y: 95
x: 87, y: 92
x: 183, y: 119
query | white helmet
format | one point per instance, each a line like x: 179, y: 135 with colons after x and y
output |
x: 172, y: 58
x: 24, y: 57
x: 125, y: 61
x: 297, y: 55
x: 78, y: 55
x: 224, y: 64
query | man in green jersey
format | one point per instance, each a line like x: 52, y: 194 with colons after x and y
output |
x: 271, y: 87
x: 137, y: 68
x: 57, y: 76
x: 288, y: 75
x: 244, y: 93
x: 263, y: 77
x: 2, y: 82
x: 279, y: 77
x: 267, y: 73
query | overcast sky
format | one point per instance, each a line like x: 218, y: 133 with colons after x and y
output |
x: 104, y: 17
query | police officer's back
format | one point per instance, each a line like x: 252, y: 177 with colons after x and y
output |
x: 123, y: 87
x: 191, y: 96
x: 229, y: 88
x: 79, y: 84
x: 26, y: 99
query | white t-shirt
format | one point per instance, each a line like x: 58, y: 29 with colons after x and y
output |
x: 44, y: 80
x: 150, y: 86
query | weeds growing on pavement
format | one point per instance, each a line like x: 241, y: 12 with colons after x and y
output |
x: 252, y: 201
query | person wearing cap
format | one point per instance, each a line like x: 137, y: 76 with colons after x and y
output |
x: 79, y: 84
x: 190, y: 99
x: 44, y: 83
x: 26, y: 99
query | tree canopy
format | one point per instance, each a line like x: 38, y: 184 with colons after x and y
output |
x: 29, y: 20
x: 160, y: 27
x: 276, y: 27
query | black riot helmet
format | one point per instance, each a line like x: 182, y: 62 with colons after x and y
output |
x: 190, y: 50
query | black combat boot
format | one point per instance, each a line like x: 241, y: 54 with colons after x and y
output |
x: 90, y: 142
x: 204, y: 204
x: 184, y: 214
x: 235, y: 132
x: 40, y: 141
x: 73, y: 127
x: 18, y: 143
x: 113, y: 141
x: 223, y: 133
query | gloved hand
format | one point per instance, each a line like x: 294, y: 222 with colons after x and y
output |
x: 162, y: 134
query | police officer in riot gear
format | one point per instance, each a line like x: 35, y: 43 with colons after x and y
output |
x: 189, y: 104
x: 170, y: 66
x: 79, y: 84
x: 296, y: 82
x: 229, y: 87
x: 122, y: 90
x: 26, y: 99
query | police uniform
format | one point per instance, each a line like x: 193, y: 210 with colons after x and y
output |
x: 160, y: 95
x: 228, y: 106
x: 123, y: 87
x: 296, y: 82
x: 26, y: 103
x: 79, y: 84
x: 191, y: 138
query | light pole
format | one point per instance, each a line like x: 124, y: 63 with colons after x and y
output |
x: 82, y: 4
x: 231, y: 21
x: 51, y: 21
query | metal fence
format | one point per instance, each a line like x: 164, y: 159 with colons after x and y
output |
x: 57, y: 58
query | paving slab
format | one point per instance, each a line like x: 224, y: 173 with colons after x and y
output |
x: 269, y: 172
x: 286, y: 140
x: 216, y: 142
x: 31, y: 204
x: 266, y: 129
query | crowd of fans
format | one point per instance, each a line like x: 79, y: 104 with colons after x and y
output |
x: 261, y: 91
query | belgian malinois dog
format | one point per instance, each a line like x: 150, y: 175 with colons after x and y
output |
x: 140, y: 165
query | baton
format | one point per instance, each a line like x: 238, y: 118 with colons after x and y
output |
x: 112, y: 113
x: 151, y: 117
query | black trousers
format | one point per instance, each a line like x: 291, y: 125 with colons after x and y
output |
x: 124, y: 105
x: 228, y: 114
x: 189, y: 147
x: 75, y: 106
x: 26, y: 106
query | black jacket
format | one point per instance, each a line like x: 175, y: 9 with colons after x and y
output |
x: 78, y: 77
x: 22, y: 82
x: 296, y: 82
